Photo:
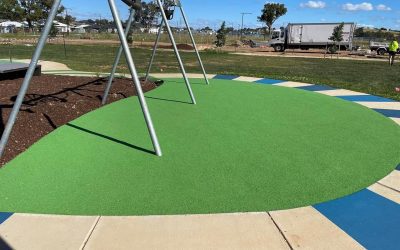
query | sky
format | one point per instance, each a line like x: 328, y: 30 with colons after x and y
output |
x: 201, y: 13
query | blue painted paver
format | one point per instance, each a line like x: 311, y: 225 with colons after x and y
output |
x: 316, y: 88
x: 389, y: 112
x: 365, y: 98
x: 225, y: 77
x: 367, y: 217
x: 4, y: 217
x: 269, y: 81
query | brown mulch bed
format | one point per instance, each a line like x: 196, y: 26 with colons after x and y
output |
x: 53, y: 101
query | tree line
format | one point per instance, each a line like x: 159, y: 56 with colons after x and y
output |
x: 35, y: 12
x: 31, y: 11
x: 380, y: 34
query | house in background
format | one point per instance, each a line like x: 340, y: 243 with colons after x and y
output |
x: 151, y: 30
x: 81, y: 28
x: 62, y: 27
x: 10, y: 26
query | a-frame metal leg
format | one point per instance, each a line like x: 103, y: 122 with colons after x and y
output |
x: 154, y: 49
x: 135, y: 78
x: 117, y: 58
x: 171, y: 36
x: 194, y: 44
x: 28, y: 76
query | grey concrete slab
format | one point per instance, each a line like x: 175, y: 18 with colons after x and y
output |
x: 220, y: 231
x: 42, y: 232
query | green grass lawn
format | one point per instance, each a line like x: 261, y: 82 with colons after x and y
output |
x: 244, y: 147
x: 366, y: 76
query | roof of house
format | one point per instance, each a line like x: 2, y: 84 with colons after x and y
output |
x: 59, y: 24
x: 11, y: 23
x: 81, y: 26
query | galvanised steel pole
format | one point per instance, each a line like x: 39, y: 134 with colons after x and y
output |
x: 171, y: 37
x: 194, y: 45
x: 117, y: 58
x: 154, y: 50
x: 135, y: 78
x: 28, y: 76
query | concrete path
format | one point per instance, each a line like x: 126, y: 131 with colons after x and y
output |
x: 47, y: 66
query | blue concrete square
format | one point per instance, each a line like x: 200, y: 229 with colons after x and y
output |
x: 4, y: 217
x: 389, y: 112
x: 316, y: 88
x: 367, y: 217
x: 365, y: 98
x: 225, y: 77
x: 269, y: 81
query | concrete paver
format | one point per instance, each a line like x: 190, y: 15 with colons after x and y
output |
x: 340, y: 92
x: 396, y: 120
x: 306, y: 228
x: 386, y: 192
x: 49, y: 65
x: 42, y: 232
x: 247, y: 79
x: 221, y: 231
x: 293, y: 84
x: 392, y: 180
x: 381, y: 105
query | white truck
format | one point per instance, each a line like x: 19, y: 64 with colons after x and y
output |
x: 310, y: 35
x: 381, y: 48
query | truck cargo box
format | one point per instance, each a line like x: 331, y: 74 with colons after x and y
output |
x: 318, y: 33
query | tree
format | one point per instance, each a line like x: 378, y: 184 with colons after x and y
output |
x: 271, y: 13
x: 53, y: 31
x: 10, y: 10
x: 148, y: 15
x: 206, y: 30
x: 34, y: 11
x: 221, y: 36
x: 337, y: 37
x: 359, y: 32
x: 67, y: 19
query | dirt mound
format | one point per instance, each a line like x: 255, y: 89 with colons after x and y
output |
x: 182, y: 46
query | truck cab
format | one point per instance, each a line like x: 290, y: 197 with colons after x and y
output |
x: 278, y: 38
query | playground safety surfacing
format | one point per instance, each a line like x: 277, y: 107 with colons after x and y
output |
x: 243, y: 148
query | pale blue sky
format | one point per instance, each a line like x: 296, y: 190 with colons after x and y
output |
x: 377, y: 13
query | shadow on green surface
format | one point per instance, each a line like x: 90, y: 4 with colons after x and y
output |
x: 111, y: 139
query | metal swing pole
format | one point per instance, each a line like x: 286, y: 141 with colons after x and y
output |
x: 154, y: 50
x: 171, y: 36
x: 194, y: 43
x: 117, y: 58
x: 135, y: 78
x: 28, y: 77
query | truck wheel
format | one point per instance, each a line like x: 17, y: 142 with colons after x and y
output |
x: 279, y: 48
x: 381, y: 52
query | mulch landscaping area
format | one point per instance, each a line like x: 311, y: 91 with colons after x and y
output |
x: 53, y: 101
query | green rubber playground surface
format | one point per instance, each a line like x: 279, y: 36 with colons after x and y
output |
x: 243, y: 148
